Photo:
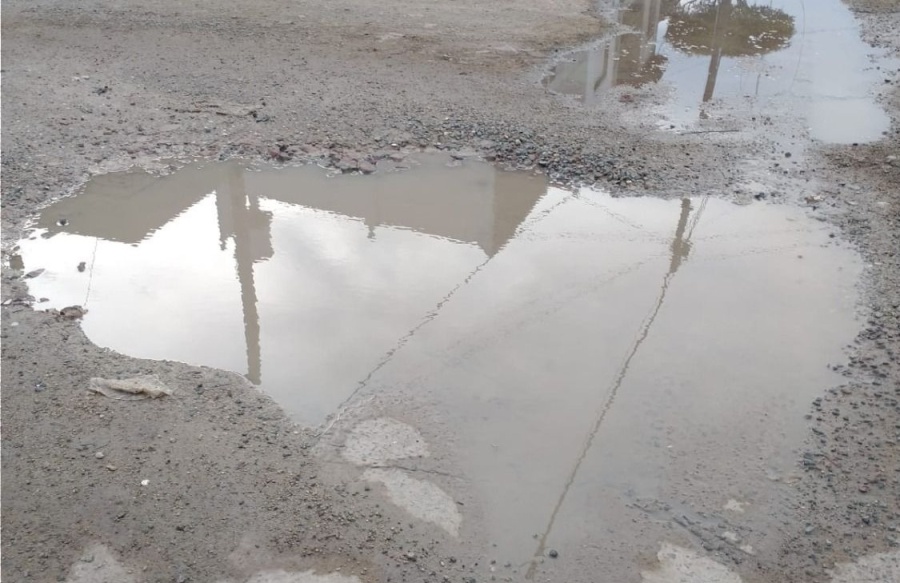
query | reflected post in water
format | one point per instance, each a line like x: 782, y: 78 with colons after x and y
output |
x: 240, y: 217
x: 680, y: 248
x: 723, y: 17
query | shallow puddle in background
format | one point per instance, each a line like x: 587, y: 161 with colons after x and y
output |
x: 595, y: 362
x: 783, y: 55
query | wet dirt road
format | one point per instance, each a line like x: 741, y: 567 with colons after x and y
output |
x: 425, y: 367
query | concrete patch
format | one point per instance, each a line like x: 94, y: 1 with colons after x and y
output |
x: 680, y: 565
x: 877, y: 568
x: 422, y: 499
x: 98, y: 565
x: 377, y: 441
x: 279, y: 576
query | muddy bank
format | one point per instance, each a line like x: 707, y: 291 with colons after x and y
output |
x: 102, y: 88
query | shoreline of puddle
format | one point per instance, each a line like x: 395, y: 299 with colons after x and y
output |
x: 515, y: 316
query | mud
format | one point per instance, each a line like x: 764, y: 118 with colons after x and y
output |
x: 236, y: 490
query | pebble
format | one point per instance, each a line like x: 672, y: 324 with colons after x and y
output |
x: 72, y: 312
x: 99, y: 455
x: 553, y: 554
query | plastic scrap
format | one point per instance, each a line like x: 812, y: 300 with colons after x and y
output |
x: 132, y: 389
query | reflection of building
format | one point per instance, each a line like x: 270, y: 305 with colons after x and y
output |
x: 477, y: 205
x: 629, y: 58
x: 480, y: 206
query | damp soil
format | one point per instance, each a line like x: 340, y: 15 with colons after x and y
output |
x: 415, y: 472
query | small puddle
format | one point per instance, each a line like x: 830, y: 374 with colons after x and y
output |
x: 763, y: 57
x: 598, y: 366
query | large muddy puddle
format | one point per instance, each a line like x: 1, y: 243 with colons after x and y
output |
x: 588, y: 372
x: 717, y: 57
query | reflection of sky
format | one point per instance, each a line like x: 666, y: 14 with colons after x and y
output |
x: 331, y: 300
x: 144, y: 300
x: 825, y: 70
x: 523, y: 359
x: 708, y: 363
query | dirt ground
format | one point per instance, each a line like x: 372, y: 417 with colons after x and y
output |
x: 233, y: 487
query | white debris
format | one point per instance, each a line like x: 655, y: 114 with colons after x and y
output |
x: 680, y: 565
x: 731, y: 537
x: 735, y: 506
x: 279, y: 576
x: 135, y: 388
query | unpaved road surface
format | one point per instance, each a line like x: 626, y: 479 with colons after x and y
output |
x: 217, y: 483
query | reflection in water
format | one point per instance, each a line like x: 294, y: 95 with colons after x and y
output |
x: 734, y: 27
x: 717, y: 28
x: 681, y: 248
x: 622, y: 349
x: 629, y: 58
x: 695, y: 27
x: 568, y: 353
x: 149, y: 237
x: 240, y: 218
x: 738, y: 48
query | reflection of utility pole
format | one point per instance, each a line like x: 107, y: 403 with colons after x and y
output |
x: 723, y: 21
x: 681, y: 246
x: 240, y: 217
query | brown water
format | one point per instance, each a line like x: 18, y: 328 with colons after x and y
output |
x: 768, y: 58
x: 589, y: 367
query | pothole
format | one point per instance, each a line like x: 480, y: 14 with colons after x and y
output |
x: 728, y: 58
x: 635, y: 363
